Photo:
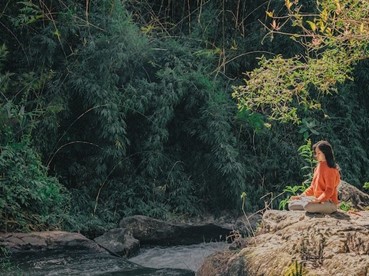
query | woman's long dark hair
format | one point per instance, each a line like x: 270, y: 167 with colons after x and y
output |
x: 327, y: 150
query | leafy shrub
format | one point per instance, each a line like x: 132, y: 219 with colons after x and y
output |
x: 29, y: 199
x: 306, y: 152
x: 291, y: 191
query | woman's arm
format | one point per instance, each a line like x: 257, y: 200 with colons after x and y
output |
x: 327, y: 184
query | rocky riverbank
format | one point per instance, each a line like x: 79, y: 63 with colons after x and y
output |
x: 64, y: 253
x: 297, y: 243
x: 285, y: 243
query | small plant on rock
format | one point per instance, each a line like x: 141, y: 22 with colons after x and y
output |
x: 345, y: 206
x: 249, y: 227
x: 295, y: 269
x: 366, y: 186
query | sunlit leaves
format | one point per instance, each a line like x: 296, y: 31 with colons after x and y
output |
x: 335, y: 38
x: 279, y: 85
x: 288, y: 4
x: 270, y: 13
x: 312, y: 25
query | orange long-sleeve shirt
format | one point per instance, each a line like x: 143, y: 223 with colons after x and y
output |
x: 324, y: 183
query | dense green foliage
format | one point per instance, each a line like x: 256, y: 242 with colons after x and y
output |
x: 29, y: 198
x: 114, y: 109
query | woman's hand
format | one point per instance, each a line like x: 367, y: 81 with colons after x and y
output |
x: 295, y: 197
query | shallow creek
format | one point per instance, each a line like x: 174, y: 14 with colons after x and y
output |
x: 171, y: 261
x: 184, y: 256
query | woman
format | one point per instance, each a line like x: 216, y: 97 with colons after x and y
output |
x: 322, y: 195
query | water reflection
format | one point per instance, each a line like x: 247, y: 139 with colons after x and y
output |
x: 183, y: 257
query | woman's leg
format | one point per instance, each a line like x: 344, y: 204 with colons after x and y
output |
x: 323, y: 207
x: 299, y: 204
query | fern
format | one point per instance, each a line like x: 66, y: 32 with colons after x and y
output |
x: 28, y: 13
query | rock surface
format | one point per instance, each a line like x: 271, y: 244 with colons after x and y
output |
x: 119, y: 242
x: 48, y: 240
x: 157, y: 232
x: 336, y: 244
x: 349, y: 193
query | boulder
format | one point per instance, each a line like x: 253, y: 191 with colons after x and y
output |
x: 119, y: 242
x: 157, y: 232
x: 289, y: 243
x: 349, y: 193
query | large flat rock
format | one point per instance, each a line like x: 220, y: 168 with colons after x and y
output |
x: 336, y: 244
x: 48, y: 240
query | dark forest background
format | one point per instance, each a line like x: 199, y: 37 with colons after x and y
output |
x: 113, y: 108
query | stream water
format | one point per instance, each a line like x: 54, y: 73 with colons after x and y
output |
x: 171, y: 261
x: 184, y: 257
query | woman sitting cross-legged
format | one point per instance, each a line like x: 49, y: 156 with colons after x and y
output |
x: 322, y: 195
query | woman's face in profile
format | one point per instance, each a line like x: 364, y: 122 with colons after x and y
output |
x: 319, y: 155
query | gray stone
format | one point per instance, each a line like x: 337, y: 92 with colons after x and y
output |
x: 349, y: 193
x: 47, y: 240
x: 119, y: 242
x: 157, y: 232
